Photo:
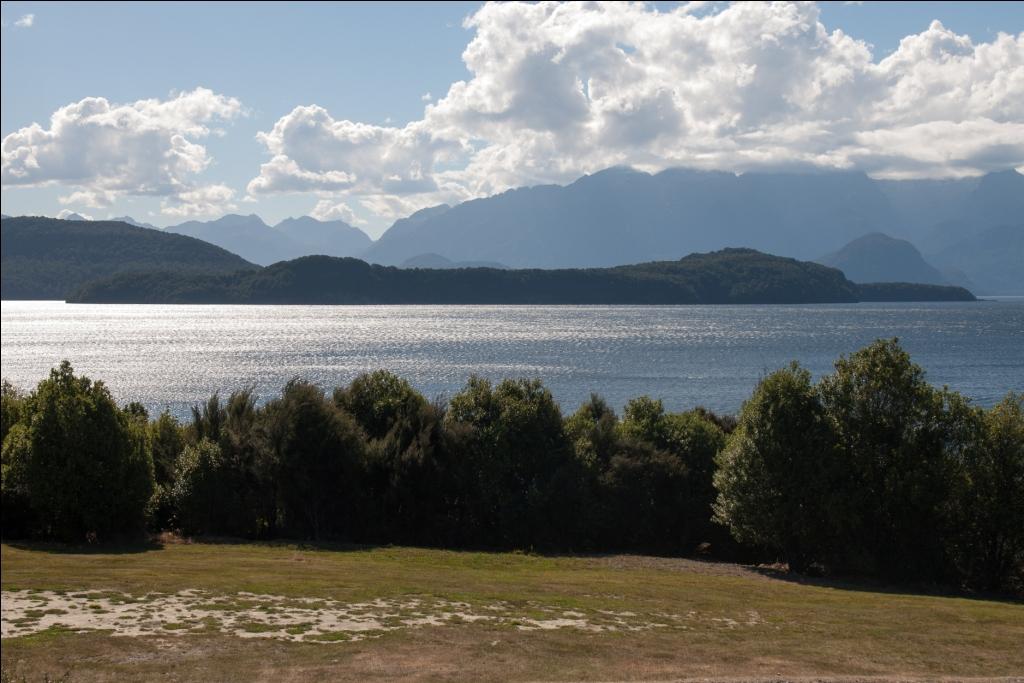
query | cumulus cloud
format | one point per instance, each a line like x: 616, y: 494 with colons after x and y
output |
x: 208, y: 200
x: 327, y: 210
x: 26, y: 21
x: 558, y: 90
x: 104, y: 150
x: 314, y: 152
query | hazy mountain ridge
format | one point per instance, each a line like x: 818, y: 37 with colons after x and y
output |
x: 621, y: 215
x: 254, y: 240
x: 48, y: 258
x: 877, y: 257
x: 994, y: 259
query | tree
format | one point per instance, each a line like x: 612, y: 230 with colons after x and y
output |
x: 526, y: 492
x: 774, y: 475
x: 320, y: 454
x: 900, y: 443
x: 82, y: 462
x: 166, y: 439
x: 12, y: 407
x: 377, y: 400
x: 197, y: 492
x: 990, y: 553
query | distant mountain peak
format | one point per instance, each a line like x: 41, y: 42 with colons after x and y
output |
x: 877, y: 257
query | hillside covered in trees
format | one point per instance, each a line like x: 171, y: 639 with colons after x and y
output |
x: 869, y: 471
x: 729, y: 276
x: 47, y: 258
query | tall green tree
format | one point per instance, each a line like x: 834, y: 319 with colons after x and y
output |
x: 774, y: 477
x: 900, y: 443
x: 527, y: 479
x: 990, y: 553
x: 320, y: 454
x: 82, y: 462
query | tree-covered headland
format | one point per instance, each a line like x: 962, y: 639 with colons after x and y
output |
x: 869, y: 471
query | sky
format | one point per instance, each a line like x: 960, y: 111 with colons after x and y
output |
x: 368, y: 112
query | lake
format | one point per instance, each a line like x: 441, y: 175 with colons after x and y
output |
x: 174, y: 356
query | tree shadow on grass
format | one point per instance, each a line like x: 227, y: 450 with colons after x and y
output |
x: 873, y: 585
x: 113, y: 547
x: 624, y: 560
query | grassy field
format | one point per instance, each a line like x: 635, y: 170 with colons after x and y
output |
x: 220, y: 612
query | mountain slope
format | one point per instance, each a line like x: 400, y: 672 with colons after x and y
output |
x: 621, y: 215
x: 330, y: 238
x: 993, y: 259
x: 876, y: 257
x: 727, y: 276
x: 47, y: 258
x: 254, y: 240
x: 247, y: 236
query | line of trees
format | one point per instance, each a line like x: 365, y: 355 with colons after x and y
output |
x: 870, y: 470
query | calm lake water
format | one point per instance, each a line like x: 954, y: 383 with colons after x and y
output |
x: 174, y: 356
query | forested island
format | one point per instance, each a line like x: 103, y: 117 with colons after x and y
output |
x: 728, y: 276
x: 870, y: 470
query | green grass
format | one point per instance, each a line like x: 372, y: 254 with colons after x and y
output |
x: 800, y: 629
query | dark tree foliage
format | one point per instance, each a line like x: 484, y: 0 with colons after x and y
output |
x: 412, y: 486
x: 319, y: 452
x: 726, y: 276
x: 12, y: 407
x: 869, y: 471
x: 900, y: 441
x: 990, y: 551
x: 774, y: 478
x: 378, y: 401
x: 526, y: 492
x: 78, y: 461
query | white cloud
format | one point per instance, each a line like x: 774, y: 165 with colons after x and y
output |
x: 94, y: 199
x: 426, y: 97
x: 104, y: 150
x: 209, y: 200
x: 558, y: 90
x: 326, y: 210
x: 314, y: 152
x: 26, y: 21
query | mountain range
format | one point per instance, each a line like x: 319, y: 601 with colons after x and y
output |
x: 969, y: 230
x: 254, y: 240
x: 621, y: 215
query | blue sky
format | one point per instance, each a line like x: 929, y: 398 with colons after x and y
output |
x: 373, y: 64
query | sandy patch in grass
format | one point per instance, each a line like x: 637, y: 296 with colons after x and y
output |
x: 248, y: 615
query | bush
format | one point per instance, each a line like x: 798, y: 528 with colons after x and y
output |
x: 197, y: 492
